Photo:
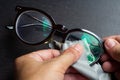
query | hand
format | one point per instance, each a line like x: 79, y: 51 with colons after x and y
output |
x: 111, y: 60
x: 49, y: 65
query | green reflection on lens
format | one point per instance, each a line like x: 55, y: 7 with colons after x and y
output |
x: 91, y: 58
x: 90, y: 39
x: 93, y: 44
x: 95, y: 49
x: 46, y: 26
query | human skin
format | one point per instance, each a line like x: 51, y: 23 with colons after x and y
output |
x: 111, y: 58
x: 49, y: 65
x: 52, y: 65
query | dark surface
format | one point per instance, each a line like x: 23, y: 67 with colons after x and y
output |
x: 100, y: 16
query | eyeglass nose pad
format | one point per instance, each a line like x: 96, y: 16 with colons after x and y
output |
x: 55, y: 45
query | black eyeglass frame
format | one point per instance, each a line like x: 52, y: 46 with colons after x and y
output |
x: 21, y: 9
x: 55, y: 27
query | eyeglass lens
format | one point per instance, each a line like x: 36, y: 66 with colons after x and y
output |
x: 33, y: 26
x: 93, y: 43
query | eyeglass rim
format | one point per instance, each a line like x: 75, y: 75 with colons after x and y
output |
x: 90, y: 33
x: 20, y: 10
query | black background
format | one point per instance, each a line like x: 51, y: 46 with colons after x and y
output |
x: 99, y: 16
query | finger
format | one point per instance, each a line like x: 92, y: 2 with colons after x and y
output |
x: 42, y: 55
x: 74, y: 77
x: 105, y: 57
x: 110, y: 66
x: 113, y: 48
x: 116, y: 37
x: 68, y: 57
x: 110, y: 37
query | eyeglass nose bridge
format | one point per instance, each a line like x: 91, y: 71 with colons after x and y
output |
x: 61, y: 28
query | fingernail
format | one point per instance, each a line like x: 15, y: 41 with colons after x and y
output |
x: 110, y: 44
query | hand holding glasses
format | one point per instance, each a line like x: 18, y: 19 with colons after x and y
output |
x: 34, y: 26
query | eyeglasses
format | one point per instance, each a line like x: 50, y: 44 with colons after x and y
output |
x: 34, y: 26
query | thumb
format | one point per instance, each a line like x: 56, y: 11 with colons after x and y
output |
x: 113, y: 48
x: 68, y: 57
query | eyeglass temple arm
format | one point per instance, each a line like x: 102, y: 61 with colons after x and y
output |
x: 60, y: 28
x: 10, y: 27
